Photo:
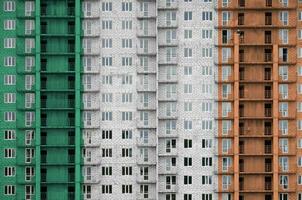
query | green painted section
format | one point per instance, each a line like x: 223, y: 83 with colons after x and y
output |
x: 57, y: 90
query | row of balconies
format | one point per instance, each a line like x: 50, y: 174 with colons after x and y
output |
x: 258, y: 4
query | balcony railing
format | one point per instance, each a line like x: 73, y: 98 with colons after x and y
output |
x: 268, y: 94
x: 268, y: 167
x: 268, y: 130
x: 267, y: 149
x: 268, y: 112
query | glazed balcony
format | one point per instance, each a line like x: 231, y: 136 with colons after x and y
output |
x: 147, y: 14
x: 168, y: 5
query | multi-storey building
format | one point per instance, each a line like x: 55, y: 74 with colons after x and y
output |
x: 146, y: 99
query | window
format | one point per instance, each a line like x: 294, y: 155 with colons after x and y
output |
x: 87, y: 9
x: 29, y: 136
x: 9, y: 153
x: 283, y: 163
x: 188, y: 88
x: 206, y: 106
x: 188, y: 34
x: 187, y: 161
x: 126, y: 97
x: 206, y: 161
x: 206, y: 34
x: 226, y: 145
x: 9, y: 61
x: 107, y: 97
x: 283, y: 17
x: 188, y: 15
x: 299, y: 180
x: 106, y: 6
x: 9, y: 171
x: 106, y: 189
x: 29, y: 7
x: 126, y: 116
x: 126, y: 134
x: 9, y: 24
x: 29, y: 173
x: 106, y: 153
x: 126, y: 6
x: 126, y: 171
x: 187, y: 180
x: 9, y: 6
x: 29, y: 27
x: 188, y: 52
x: 188, y: 143
x: 9, y: 116
x: 29, y: 45
x: 106, y: 24
x: 107, y: 116
x: 225, y: 3
x: 187, y: 106
x: 283, y: 36
x: 9, y: 43
x: 9, y: 80
x: 206, y: 16
x: 107, y: 61
x: 206, y: 52
x: 126, y: 61
x: 126, y: 189
x: 188, y: 125
x: 206, y: 125
x: 106, y: 171
x: 126, y: 152
x: 126, y: 25
x: 226, y: 17
x: 188, y: 71
x: 106, y: 134
x: 209, y: 197
x: 126, y: 79
x: 284, y: 181
x: 126, y: 43
x: 9, y: 189
x: 226, y: 163
x: 206, y: 180
x: 29, y: 82
x: 9, y: 135
x: 29, y: 63
x: 107, y: 43
x: 9, y: 97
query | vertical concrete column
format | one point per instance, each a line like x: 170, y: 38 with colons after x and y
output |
x: 236, y: 115
x: 275, y: 121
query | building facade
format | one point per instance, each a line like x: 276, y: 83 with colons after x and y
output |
x: 150, y: 99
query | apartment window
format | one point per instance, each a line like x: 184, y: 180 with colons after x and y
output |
x: 283, y: 127
x: 9, y: 97
x: 126, y: 61
x: 188, y: 143
x: 187, y: 161
x: 187, y: 106
x: 9, y: 189
x: 87, y: 9
x: 9, y: 80
x: 226, y: 127
x: 226, y: 163
x: 226, y: 54
x: 9, y: 61
x: 106, y: 134
x: 283, y: 36
x: 106, y: 6
x: 206, y: 161
x: 127, y: 80
x: 106, y: 43
x: 107, y: 116
x: 188, y: 52
x: 29, y: 118
x: 107, y: 24
x: 126, y: 97
x: 9, y: 171
x: 206, y: 106
x: 29, y: 63
x: 107, y: 97
x: 126, y: 43
x: 188, y: 125
x: 126, y: 116
x: 126, y: 6
x: 226, y: 17
x: 206, y: 180
x: 9, y: 116
x: 126, y: 189
x: 187, y: 180
x: 226, y: 145
x: 106, y: 61
x: 9, y: 24
x: 29, y: 82
x: 9, y: 43
x: 9, y: 153
x: 188, y: 34
x: 206, y: 88
x: 106, y: 171
x: 106, y: 189
x: 106, y: 152
x: 126, y: 152
x: 284, y: 181
x: 299, y: 143
x: 29, y: 45
x: 188, y: 15
x: 188, y: 71
x: 126, y: 171
x: 107, y: 80
x: 9, y: 135
x: 206, y: 34
x: 206, y: 125
x: 29, y: 27
x: 188, y: 197
x: 283, y: 17
x: 126, y: 25
x: 207, y: 16
x: 225, y: 3
x: 9, y: 6
x: 205, y: 196
x: 299, y: 161
x: 283, y: 163
x: 126, y: 134
x: 206, y: 52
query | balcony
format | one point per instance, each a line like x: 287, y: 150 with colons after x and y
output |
x: 168, y: 5
x: 268, y: 112
x: 268, y: 57
x: 268, y: 186
x: 267, y: 94
x: 267, y: 149
x: 268, y: 167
